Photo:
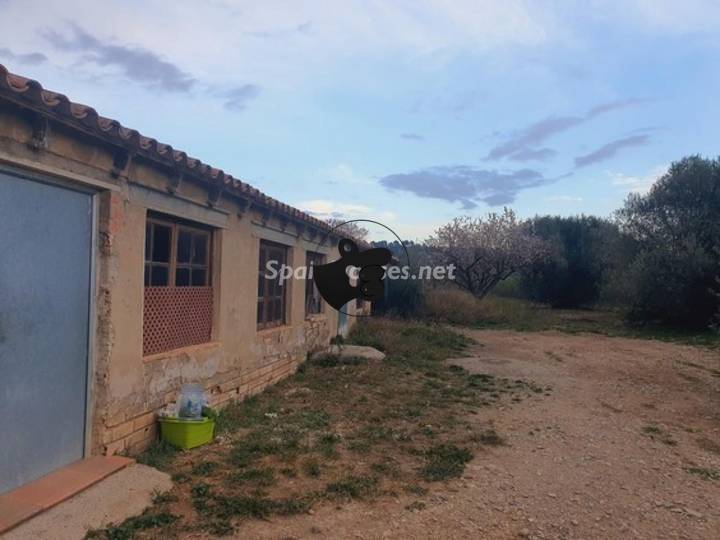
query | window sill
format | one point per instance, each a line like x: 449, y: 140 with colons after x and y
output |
x: 200, y: 347
x: 271, y: 329
x: 316, y: 317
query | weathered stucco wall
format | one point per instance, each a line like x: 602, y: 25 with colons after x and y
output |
x: 128, y: 389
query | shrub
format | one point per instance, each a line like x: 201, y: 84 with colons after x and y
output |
x: 572, y: 275
x: 675, y: 276
x: 673, y: 288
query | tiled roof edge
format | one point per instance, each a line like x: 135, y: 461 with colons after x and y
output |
x: 31, y: 93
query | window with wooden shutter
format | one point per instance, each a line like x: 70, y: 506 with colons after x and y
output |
x: 178, y: 307
x: 272, y: 296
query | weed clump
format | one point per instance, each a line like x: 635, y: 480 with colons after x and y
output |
x: 705, y: 474
x: 445, y: 461
x: 204, y: 468
x: 127, y: 529
x: 334, y: 360
x: 490, y: 437
x: 352, y: 487
x: 311, y: 468
x: 160, y: 455
x: 657, y: 433
x: 261, y: 477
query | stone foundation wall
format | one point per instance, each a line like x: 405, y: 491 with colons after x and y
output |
x: 281, y: 352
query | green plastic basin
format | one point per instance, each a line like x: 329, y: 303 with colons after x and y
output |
x: 187, y: 433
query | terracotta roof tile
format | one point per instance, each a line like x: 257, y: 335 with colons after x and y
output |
x: 31, y: 94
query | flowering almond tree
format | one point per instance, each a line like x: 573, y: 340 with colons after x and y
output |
x: 486, y: 250
x: 351, y: 229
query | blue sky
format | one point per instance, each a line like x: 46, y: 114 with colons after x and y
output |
x: 409, y: 113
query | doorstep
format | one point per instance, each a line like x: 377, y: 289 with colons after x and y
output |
x: 29, y: 500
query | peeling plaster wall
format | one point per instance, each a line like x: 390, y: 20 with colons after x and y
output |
x: 127, y: 389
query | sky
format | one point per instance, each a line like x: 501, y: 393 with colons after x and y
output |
x: 405, y: 112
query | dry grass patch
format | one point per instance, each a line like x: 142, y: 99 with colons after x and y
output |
x: 454, y: 306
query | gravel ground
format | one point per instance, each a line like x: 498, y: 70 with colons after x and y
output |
x: 605, y: 456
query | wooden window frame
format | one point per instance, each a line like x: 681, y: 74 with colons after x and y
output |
x: 148, y: 262
x: 176, y: 225
x: 311, y: 291
x: 177, y: 316
x: 266, y: 300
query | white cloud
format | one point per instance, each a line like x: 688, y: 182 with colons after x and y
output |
x: 326, y: 209
x: 637, y: 184
x: 344, y: 174
x: 277, y: 43
x: 284, y: 45
x: 281, y: 42
x: 329, y: 209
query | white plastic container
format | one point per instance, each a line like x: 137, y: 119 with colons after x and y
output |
x: 191, y: 402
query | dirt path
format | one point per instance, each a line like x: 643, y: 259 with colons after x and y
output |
x: 604, y: 456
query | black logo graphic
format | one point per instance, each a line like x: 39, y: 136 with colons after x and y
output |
x: 333, y: 282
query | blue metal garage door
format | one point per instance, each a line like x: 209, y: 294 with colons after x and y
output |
x: 45, y: 276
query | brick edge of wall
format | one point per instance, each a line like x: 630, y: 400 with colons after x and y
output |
x: 135, y: 435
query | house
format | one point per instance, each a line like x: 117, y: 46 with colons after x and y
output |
x: 128, y: 268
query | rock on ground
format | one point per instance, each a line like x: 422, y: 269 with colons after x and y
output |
x: 356, y: 351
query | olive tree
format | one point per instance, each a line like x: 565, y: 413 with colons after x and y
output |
x: 485, y: 250
x: 583, y: 249
x: 677, y: 226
